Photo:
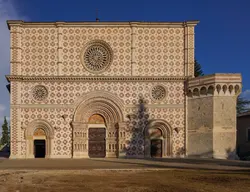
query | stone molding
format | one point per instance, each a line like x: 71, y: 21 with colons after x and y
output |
x: 215, y: 78
x: 63, y: 106
x: 21, y: 23
x: 94, y: 78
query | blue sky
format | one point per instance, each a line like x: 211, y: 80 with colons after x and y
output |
x: 222, y: 36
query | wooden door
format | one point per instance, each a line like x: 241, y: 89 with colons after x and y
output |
x: 97, y: 142
x: 156, y: 148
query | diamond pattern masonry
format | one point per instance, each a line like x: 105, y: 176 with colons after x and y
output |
x: 127, y: 78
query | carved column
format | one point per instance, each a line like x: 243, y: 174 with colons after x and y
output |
x: 122, y: 139
x: 112, y: 140
x: 29, y: 147
x: 80, y: 140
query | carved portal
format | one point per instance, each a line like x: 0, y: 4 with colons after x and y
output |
x: 97, y: 112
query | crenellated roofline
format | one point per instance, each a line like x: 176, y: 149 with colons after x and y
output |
x: 215, y: 78
x: 219, y: 84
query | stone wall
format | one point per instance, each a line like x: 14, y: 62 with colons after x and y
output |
x: 224, y: 126
x: 200, y: 124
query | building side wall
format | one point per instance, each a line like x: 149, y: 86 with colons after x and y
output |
x: 243, y: 146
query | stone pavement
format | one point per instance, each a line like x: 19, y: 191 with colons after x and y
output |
x: 113, y: 163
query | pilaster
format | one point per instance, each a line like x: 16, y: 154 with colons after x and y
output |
x: 15, y: 49
x: 60, y: 47
x: 133, y: 47
x: 189, y: 49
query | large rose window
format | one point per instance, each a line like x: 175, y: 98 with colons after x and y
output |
x: 97, y: 56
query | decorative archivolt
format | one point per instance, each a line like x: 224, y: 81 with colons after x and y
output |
x: 102, y: 103
x: 39, y: 124
x: 217, y: 89
x: 164, y: 133
x: 110, y: 112
x: 162, y: 125
x: 99, y: 94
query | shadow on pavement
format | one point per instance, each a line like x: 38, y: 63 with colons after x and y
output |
x: 203, y: 161
x: 185, y: 164
x: 110, y: 163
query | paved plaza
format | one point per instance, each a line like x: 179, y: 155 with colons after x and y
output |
x: 124, y: 175
x: 114, y: 163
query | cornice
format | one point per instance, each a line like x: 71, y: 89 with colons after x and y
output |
x: 217, y: 78
x: 63, y: 106
x: 94, y: 78
x: 100, y: 24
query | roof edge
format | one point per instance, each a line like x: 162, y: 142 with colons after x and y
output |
x: 14, y: 22
x: 94, y: 23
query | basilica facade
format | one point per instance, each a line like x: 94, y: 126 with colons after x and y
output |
x: 116, y: 89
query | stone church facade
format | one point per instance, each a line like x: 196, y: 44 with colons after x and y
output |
x: 116, y: 89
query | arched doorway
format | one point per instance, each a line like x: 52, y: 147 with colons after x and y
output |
x: 96, y: 136
x: 39, y: 136
x: 158, y: 139
x: 39, y: 143
x: 156, y: 142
